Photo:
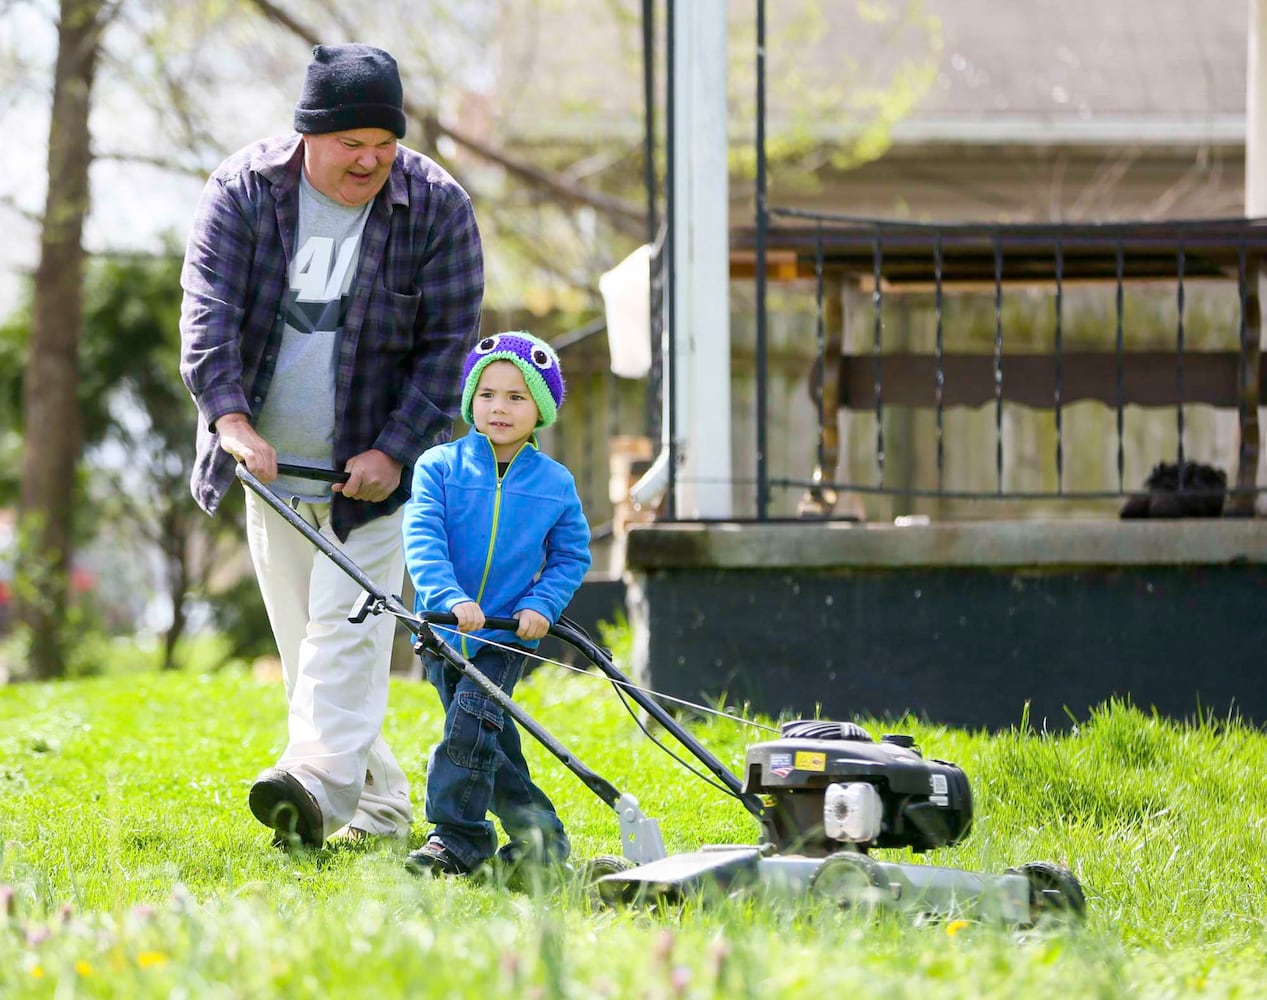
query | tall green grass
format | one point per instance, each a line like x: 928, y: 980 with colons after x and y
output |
x: 131, y: 866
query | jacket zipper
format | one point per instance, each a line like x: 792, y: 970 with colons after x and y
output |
x: 492, y: 536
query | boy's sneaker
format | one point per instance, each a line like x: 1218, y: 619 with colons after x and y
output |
x: 518, y: 852
x: 524, y: 866
x: 280, y: 801
x: 433, y: 858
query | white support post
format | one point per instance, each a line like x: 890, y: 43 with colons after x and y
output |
x: 1256, y: 172
x: 1256, y: 112
x: 701, y: 221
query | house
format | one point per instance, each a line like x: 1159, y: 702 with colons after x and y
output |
x: 990, y: 112
x: 947, y: 110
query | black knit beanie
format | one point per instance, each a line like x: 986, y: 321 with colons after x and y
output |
x: 351, y: 86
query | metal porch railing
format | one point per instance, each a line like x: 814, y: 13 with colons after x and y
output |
x: 881, y: 259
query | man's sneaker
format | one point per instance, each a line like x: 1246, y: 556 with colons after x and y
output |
x: 280, y: 801
x: 349, y: 835
x: 433, y: 858
x: 355, y: 836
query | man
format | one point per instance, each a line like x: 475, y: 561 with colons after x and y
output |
x: 332, y: 287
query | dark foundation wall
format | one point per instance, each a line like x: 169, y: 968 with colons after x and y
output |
x: 961, y: 624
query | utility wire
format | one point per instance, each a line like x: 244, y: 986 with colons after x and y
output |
x: 622, y: 694
x: 627, y: 684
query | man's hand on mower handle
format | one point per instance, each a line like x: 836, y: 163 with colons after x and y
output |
x: 470, y: 616
x: 241, y: 440
x: 532, y: 624
x: 372, y: 475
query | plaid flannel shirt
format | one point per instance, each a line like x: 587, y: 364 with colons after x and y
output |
x: 413, y: 312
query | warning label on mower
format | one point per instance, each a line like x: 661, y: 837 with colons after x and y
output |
x: 809, y: 761
x: 939, y: 796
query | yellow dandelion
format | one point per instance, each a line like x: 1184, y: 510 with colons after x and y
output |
x: 147, y: 959
x: 37, y: 972
x: 955, y: 926
x: 83, y: 968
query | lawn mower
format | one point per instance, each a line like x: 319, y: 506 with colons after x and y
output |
x: 824, y: 794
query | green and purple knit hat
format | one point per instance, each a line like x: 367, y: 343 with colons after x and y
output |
x: 532, y: 356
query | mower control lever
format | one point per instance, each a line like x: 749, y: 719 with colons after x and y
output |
x: 367, y: 604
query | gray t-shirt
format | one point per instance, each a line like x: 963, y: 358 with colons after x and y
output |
x: 297, y: 418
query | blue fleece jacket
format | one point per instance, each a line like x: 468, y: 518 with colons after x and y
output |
x: 509, y: 543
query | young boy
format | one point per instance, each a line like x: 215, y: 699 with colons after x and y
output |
x: 493, y: 527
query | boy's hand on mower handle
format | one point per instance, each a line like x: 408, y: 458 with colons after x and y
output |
x: 532, y: 624
x: 450, y: 619
x: 469, y: 615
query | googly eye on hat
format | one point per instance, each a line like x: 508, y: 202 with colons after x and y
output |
x: 534, y: 357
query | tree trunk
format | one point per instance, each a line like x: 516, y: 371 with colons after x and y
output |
x: 176, y: 552
x: 50, y: 404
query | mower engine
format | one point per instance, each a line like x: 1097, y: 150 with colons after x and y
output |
x: 828, y: 786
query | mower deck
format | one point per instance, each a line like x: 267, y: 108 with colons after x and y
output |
x: 850, y: 881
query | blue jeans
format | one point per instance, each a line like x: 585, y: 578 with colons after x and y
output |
x: 480, y: 765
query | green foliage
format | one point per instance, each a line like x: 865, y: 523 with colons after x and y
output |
x: 830, y: 108
x: 143, y: 420
x: 131, y: 343
x: 132, y: 866
x: 37, y: 580
x: 238, y: 615
x: 131, y: 314
x: 133, y: 499
x: 14, y: 332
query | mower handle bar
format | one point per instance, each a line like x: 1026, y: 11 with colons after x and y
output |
x: 497, y: 624
x: 312, y: 472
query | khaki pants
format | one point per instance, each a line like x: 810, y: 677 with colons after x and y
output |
x: 336, y: 673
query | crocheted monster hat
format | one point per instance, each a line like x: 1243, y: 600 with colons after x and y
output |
x: 532, y: 356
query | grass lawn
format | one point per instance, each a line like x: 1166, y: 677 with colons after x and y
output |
x: 130, y: 865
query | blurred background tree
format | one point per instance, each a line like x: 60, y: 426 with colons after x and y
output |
x: 137, y: 406
x: 49, y: 396
x: 164, y: 553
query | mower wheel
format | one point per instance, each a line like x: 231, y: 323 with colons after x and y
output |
x: 594, y: 869
x: 605, y: 864
x: 849, y: 879
x: 1053, y: 890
